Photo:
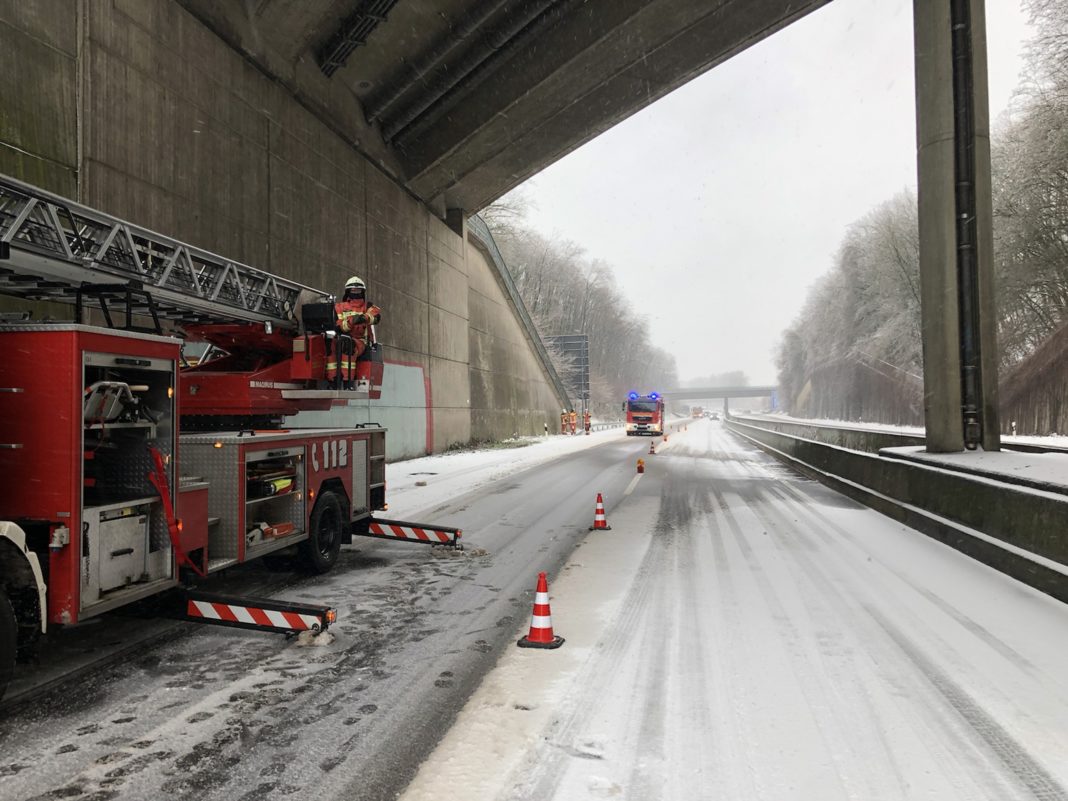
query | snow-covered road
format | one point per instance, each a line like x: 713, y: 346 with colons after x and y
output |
x: 744, y: 633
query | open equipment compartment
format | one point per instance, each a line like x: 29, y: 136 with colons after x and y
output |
x: 274, y: 499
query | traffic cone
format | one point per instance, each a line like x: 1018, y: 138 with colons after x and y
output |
x: 541, y: 621
x: 600, y: 522
x: 641, y: 466
x: 652, y: 447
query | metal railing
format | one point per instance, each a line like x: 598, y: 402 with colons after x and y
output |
x: 481, y: 232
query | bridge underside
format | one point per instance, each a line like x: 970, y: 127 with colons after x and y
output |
x: 462, y: 100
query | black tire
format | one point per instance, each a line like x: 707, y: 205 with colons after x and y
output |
x: 9, y: 640
x: 320, y: 551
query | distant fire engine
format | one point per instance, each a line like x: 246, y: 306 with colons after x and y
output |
x: 130, y: 465
x: 645, y: 414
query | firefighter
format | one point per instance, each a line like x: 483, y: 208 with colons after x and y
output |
x: 573, y: 419
x: 355, y: 316
x: 563, y: 421
x: 586, y: 421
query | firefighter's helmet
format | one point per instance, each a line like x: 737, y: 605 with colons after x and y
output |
x: 355, y: 286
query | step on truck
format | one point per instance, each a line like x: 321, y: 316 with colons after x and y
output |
x: 143, y: 444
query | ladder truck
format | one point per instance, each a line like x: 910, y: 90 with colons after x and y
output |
x: 131, y: 467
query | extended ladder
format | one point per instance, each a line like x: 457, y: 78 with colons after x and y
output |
x: 52, y: 247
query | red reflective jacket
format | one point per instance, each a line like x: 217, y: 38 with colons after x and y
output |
x: 353, y: 317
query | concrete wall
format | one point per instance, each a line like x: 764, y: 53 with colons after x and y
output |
x: 518, y: 398
x: 402, y: 409
x: 134, y: 107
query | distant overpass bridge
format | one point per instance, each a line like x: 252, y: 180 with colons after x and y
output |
x: 726, y: 393
x: 715, y: 393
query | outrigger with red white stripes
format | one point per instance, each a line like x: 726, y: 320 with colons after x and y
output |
x: 412, y: 532
x: 260, y: 614
x: 158, y: 445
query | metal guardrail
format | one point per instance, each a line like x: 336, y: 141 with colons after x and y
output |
x: 1011, y: 527
x: 58, y: 245
x: 869, y: 440
x: 481, y: 232
x: 606, y: 426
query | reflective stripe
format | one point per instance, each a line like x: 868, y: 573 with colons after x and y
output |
x: 541, y: 598
x: 242, y: 614
x: 540, y: 622
x: 203, y: 609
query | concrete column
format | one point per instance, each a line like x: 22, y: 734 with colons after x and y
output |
x: 988, y: 319
x: 939, y: 273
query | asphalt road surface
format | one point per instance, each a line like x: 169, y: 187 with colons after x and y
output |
x: 773, y: 641
x: 227, y: 714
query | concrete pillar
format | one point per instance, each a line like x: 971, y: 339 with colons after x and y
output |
x: 940, y: 274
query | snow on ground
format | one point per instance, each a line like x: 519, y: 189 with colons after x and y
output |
x: 1053, y: 440
x: 450, y: 474
x: 753, y: 635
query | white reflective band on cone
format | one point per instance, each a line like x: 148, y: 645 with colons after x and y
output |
x: 541, y: 598
x: 541, y: 622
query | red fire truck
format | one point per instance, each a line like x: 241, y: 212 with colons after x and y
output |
x: 129, y: 466
x: 645, y: 414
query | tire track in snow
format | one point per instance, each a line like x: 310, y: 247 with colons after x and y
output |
x: 1016, y: 759
x: 544, y: 770
x: 1019, y: 763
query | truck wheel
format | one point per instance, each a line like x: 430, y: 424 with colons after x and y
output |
x: 319, y: 552
x: 9, y: 638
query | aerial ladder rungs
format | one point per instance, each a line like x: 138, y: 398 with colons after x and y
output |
x: 59, y: 245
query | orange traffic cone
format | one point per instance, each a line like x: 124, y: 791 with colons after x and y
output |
x: 541, y: 621
x: 652, y: 447
x: 600, y: 522
x: 641, y: 466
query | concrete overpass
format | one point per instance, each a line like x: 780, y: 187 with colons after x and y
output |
x: 322, y: 139
x: 715, y: 393
x: 461, y: 100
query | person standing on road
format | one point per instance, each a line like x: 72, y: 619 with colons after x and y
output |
x: 574, y: 422
x: 355, y: 316
x: 563, y: 421
x: 586, y: 421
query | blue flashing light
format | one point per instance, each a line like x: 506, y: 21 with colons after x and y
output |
x: 632, y: 396
x: 654, y: 395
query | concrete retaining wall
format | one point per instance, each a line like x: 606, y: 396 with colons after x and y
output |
x: 402, y: 409
x: 854, y: 439
x: 136, y: 108
x: 1021, y: 517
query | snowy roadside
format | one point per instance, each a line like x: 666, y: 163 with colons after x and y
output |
x: 416, y: 486
x: 528, y: 696
x: 1053, y: 440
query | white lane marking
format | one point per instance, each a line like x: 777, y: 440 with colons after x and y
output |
x: 633, y: 483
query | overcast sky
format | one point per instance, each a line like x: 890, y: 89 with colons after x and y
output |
x: 719, y: 205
